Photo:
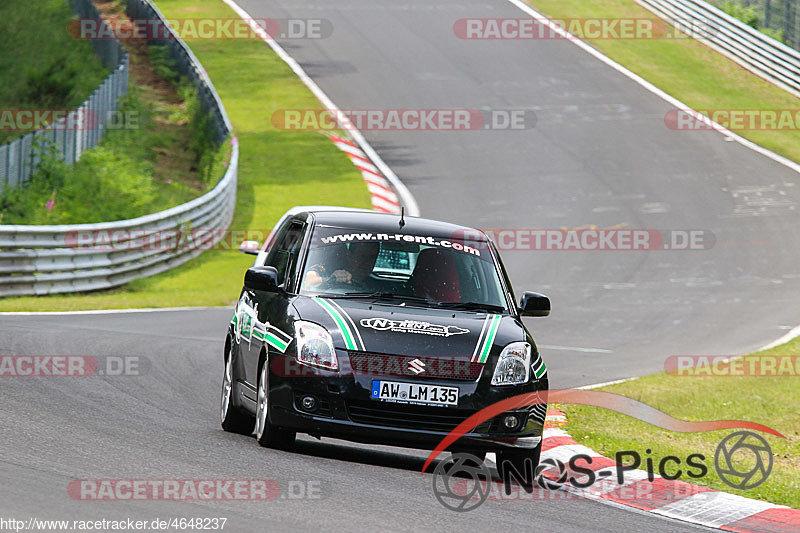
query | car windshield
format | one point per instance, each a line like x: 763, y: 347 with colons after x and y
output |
x: 415, y: 268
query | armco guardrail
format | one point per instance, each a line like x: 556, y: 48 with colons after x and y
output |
x: 57, y: 259
x: 82, y: 128
x: 749, y: 47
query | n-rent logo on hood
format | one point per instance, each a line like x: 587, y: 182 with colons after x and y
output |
x: 412, y: 326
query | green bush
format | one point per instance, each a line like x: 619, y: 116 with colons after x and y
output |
x: 162, y: 64
x: 748, y: 14
x: 773, y: 32
x: 113, y: 181
x: 203, y: 143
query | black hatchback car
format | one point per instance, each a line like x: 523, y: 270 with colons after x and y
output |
x: 375, y: 328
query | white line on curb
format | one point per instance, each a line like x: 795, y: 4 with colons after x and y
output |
x: 607, y: 383
x: 574, y: 348
x: 409, y: 202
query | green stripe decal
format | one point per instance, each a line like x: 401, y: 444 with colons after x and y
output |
x: 349, y: 343
x: 280, y: 335
x: 275, y: 342
x: 539, y: 372
x: 489, y: 341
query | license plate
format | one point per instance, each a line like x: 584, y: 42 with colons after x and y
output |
x: 399, y: 392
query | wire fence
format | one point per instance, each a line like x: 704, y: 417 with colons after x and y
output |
x: 777, y: 18
x: 80, y: 129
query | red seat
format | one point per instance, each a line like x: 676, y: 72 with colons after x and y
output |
x: 436, y: 277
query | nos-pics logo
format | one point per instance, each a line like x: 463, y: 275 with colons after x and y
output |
x: 462, y: 482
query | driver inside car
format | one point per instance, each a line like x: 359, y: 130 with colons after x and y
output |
x: 360, y: 259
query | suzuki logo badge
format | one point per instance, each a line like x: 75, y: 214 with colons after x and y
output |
x: 416, y: 366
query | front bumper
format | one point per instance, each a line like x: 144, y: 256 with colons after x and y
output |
x: 344, y: 409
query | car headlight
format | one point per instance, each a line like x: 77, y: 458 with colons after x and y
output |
x: 315, y: 346
x: 513, y: 366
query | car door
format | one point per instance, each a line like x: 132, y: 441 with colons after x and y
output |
x: 268, y: 310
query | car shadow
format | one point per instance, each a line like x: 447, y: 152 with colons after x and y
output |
x: 342, y: 451
x: 354, y: 454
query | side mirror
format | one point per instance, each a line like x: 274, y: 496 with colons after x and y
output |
x: 534, y: 304
x: 249, y: 247
x: 261, y: 278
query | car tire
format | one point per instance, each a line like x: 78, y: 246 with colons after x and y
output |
x: 232, y: 418
x: 268, y: 435
x: 516, y: 461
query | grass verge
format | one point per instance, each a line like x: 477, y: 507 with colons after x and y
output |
x: 41, y: 66
x: 685, y: 69
x: 277, y: 169
x: 768, y: 400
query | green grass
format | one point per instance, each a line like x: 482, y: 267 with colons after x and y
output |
x: 41, y: 66
x: 278, y: 169
x: 771, y: 401
x: 685, y: 69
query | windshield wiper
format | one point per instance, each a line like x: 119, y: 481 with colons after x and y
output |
x: 476, y: 306
x: 380, y: 296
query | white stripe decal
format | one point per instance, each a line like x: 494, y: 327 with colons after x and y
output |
x: 478, y: 344
x: 352, y: 323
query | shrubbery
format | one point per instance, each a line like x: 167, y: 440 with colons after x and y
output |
x: 113, y: 181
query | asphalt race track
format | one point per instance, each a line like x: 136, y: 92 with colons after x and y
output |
x: 599, y: 154
x: 163, y: 424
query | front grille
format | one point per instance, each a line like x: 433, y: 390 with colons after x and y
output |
x: 407, y: 416
x: 448, y: 367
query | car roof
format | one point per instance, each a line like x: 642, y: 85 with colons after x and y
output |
x: 353, y: 218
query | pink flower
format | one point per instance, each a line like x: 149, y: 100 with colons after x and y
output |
x: 51, y: 202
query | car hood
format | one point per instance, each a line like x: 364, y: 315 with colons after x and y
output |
x: 360, y: 325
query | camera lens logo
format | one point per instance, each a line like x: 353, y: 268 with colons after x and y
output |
x: 743, y: 460
x: 464, y: 496
x: 558, y: 474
